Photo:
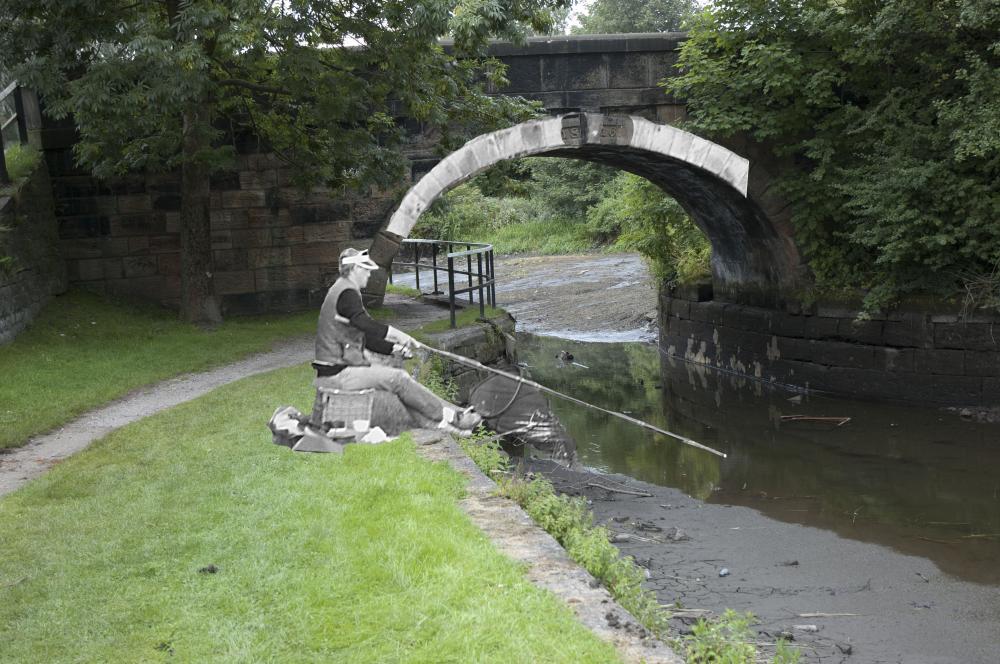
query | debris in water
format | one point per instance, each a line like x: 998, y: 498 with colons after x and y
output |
x: 677, y: 535
x: 796, y: 399
x: 836, y: 421
x: 789, y: 563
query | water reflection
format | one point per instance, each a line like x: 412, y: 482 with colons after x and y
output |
x: 917, y: 479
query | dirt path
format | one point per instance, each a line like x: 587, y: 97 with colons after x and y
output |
x: 20, y: 465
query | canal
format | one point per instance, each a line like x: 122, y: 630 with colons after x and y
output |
x: 919, y: 480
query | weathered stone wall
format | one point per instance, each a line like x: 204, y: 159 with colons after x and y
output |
x: 275, y: 246
x: 31, y: 271
x: 908, y: 355
x: 596, y: 73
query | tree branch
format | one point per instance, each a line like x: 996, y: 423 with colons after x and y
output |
x: 256, y: 87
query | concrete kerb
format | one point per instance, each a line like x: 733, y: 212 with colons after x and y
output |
x: 547, y: 564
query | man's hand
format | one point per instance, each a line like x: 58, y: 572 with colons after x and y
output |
x: 402, y: 351
x: 401, y: 338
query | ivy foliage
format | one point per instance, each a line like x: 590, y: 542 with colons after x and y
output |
x: 888, y: 114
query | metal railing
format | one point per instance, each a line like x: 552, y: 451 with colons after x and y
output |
x: 481, y: 281
x: 11, y: 111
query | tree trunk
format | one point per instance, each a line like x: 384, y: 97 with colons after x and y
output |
x: 198, y: 301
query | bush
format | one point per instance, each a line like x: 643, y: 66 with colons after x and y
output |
x: 21, y: 160
x: 512, y: 225
x: 636, y: 215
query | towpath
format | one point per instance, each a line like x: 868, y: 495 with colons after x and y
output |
x: 20, y: 465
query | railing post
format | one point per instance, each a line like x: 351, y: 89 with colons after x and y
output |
x: 479, y: 275
x: 493, y: 281
x: 434, y: 262
x: 22, y: 125
x: 451, y: 290
x: 468, y: 269
x: 416, y: 262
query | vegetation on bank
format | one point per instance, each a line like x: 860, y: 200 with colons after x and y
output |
x: 84, y: 350
x: 558, y: 206
x: 885, y: 120
x: 188, y: 536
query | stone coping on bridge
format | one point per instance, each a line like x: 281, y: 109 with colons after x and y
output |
x: 570, y: 44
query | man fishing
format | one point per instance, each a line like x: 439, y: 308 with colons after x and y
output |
x: 346, y: 331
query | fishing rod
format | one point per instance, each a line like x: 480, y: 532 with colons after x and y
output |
x: 530, y: 383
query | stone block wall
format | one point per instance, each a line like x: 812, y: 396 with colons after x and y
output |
x: 906, y: 355
x: 275, y: 246
x: 606, y: 73
x: 31, y: 271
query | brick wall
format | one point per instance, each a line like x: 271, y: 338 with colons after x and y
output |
x: 33, y: 270
x: 909, y: 355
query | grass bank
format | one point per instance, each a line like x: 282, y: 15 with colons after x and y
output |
x: 363, y: 557
x: 83, y: 351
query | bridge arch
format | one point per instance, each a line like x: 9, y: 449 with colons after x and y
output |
x: 749, y: 255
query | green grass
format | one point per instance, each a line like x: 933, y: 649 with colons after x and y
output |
x: 463, y: 318
x: 363, y: 557
x: 83, y: 351
x: 548, y: 237
x: 402, y: 290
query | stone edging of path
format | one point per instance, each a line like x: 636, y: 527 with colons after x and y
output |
x: 548, y: 565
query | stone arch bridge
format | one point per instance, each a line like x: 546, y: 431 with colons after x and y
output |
x: 606, y: 105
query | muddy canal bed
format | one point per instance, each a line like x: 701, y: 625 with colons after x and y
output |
x: 883, y: 534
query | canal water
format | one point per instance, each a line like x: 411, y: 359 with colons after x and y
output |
x: 919, y: 480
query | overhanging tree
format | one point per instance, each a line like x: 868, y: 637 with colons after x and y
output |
x: 151, y: 84
x: 614, y: 16
x: 890, y: 111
